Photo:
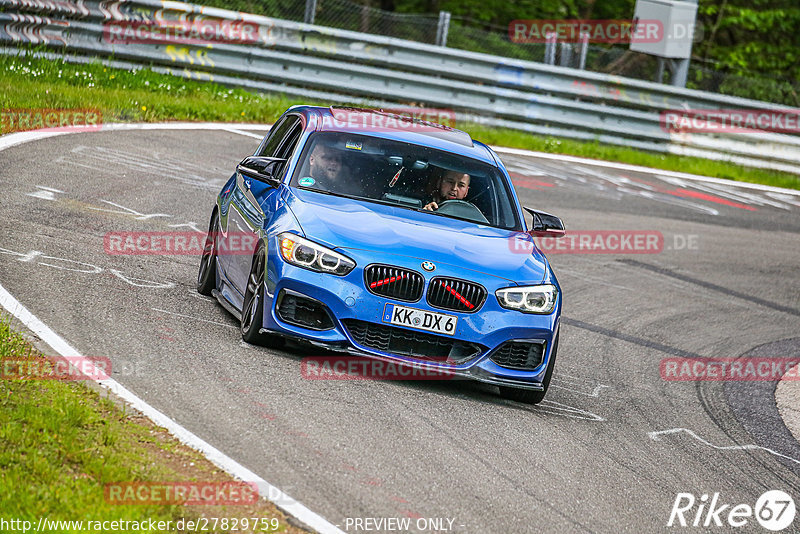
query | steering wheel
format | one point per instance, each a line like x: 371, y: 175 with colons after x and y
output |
x: 463, y: 210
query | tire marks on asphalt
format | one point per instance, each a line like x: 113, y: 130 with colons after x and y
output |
x: 708, y: 285
x: 193, y: 318
x: 655, y: 345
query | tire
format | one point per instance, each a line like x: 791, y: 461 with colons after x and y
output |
x: 529, y: 396
x: 252, y: 305
x: 207, y: 275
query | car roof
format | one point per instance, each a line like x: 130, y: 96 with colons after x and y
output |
x: 396, y: 127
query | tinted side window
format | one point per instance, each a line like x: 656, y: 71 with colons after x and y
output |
x: 289, y: 142
x: 276, y: 135
x: 287, y: 146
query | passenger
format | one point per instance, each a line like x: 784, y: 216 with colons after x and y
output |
x: 328, y: 171
x: 453, y: 185
x: 325, y: 166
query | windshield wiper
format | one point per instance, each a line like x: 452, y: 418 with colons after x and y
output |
x: 343, y: 195
x: 434, y: 212
x: 395, y: 204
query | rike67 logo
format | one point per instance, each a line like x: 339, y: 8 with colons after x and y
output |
x: 774, y: 510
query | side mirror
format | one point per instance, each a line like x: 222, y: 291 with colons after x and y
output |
x: 546, y: 225
x: 261, y: 168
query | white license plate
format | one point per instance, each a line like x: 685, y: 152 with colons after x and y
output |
x: 440, y: 323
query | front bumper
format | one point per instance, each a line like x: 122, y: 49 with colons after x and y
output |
x: 346, y: 297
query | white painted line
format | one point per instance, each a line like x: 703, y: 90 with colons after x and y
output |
x: 242, y: 132
x: 9, y: 140
x: 656, y: 436
x: 184, y: 126
x: 217, y: 457
x: 638, y: 168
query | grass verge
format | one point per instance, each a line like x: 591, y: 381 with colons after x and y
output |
x: 143, y: 95
x: 61, y: 443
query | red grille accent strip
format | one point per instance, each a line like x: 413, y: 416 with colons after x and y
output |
x: 387, y: 281
x: 457, y: 295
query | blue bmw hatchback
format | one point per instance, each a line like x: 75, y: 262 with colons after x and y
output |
x: 387, y: 237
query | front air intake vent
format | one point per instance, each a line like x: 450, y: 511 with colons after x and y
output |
x: 521, y: 355
x: 419, y: 345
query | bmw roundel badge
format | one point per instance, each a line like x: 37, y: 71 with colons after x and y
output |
x: 428, y: 266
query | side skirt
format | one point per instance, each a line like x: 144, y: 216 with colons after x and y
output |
x: 226, y: 304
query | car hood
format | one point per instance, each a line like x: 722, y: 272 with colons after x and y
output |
x: 344, y: 223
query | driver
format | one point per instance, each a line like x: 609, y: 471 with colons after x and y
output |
x: 453, y: 185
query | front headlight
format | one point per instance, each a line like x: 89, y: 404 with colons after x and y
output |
x: 303, y: 253
x: 528, y: 299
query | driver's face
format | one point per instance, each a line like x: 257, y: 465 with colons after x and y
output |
x: 455, y: 186
x: 325, y: 163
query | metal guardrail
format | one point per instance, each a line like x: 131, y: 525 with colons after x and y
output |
x: 342, y: 66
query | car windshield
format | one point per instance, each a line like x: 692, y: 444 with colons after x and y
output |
x: 406, y: 175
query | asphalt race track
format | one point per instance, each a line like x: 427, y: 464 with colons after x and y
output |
x: 607, y: 451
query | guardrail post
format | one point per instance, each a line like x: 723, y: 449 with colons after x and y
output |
x: 660, y: 70
x: 311, y: 11
x: 584, y: 50
x: 680, y: 71
x: 566, y: 54
x: 443, y: 28
x: 550, y: 48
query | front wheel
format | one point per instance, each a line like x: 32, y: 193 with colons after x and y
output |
x: 529, y: 396
x: 253, y: 305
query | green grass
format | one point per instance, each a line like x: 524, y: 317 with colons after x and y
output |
x: 128, y: 95
x: 61, y: 443
x: 143, y: 95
